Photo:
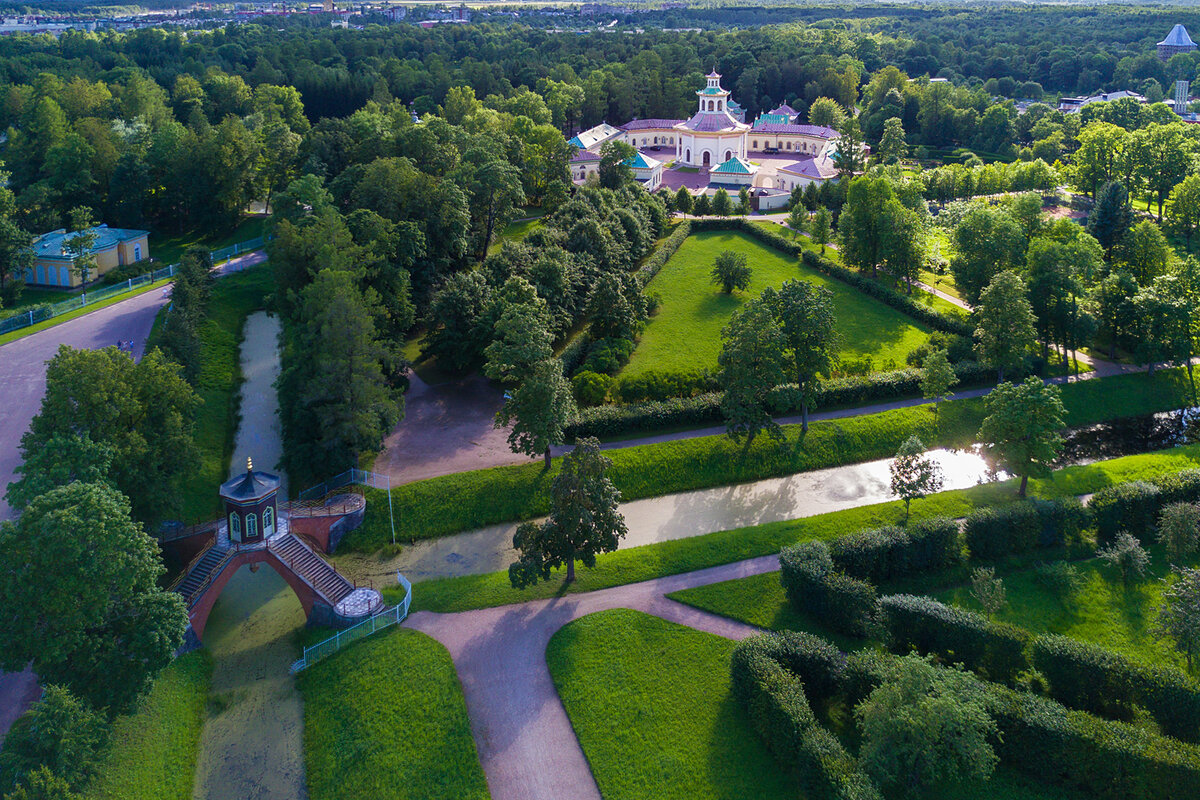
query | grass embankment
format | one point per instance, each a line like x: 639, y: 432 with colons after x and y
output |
x: 386, y: 719
x: 685, y: 334
x: 514, y: 232
x: 35, y: 296
x: 169, y: 249
x: 466, y: 500
x: 698, y: 552
x: 648, y: 736
x: 234, y: 298
x: 153, y: 751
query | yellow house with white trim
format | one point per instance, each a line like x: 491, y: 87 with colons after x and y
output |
x: 114, y: 247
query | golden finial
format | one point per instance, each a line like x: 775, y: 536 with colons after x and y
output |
x: 249, y: 464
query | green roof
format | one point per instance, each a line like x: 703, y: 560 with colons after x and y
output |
x: 736, y: 165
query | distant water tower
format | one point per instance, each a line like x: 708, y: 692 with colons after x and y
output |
x: 1181, y: 97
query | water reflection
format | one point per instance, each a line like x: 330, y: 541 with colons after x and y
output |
x: 1130, y: 435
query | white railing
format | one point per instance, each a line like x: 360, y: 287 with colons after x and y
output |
x: 384, y: 619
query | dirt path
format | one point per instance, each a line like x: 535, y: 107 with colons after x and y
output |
x: 676, y: 516
x: 526, y: 744
x: 252, y: 745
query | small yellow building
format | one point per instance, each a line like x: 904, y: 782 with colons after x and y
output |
x: 114, y: 247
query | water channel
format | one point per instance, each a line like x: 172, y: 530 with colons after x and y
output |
x: 252, y: 743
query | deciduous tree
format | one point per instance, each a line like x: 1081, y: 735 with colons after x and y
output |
x: 731, y: 271
x: 914, y: 474
x: 538, y: 410
x: 1179, y: 614
x: 584, y: 520
x: 1179, y: 530
x: 937, y: 378
x: 988, y: 590
x: 1021, y: 430
x: 1111, y: 217
x: 752, y: 363
x: 804, y: 313
x: 1004, y: 323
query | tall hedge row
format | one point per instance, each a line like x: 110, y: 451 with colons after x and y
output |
x: 998, y: 531
x: 775, y: 700
x: 1134, y: 506
x: 1094, y: 679
x: 844, y: 604
x: 880, y: 555
x: 992, y: 649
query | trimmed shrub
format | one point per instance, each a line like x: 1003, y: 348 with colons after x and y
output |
x: 608, y: 421
x: 1094, y: 679
x: 663, y: 385
x: 880, y: 555
x: 608, y: 355
x: 779, y: 710
x: 1103, y: 758
x: 1131, y: 507
x: 992, y: 649
x: 591, y: 388
x: 844, y: 604
x: 576, y: 350
x: 815, y: 661
x: 663, y: 253
x: 1180, y: 487
x: 998, y: 531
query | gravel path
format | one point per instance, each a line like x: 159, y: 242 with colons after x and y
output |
x: 526, y: 744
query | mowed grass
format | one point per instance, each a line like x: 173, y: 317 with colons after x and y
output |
x: 685, y: 334
x: 169, y: 248
x: 385, y: 719
x: 152, y: 755
x: 234, y: 298
x: 1100, y: 609
x: 462, y: 501
x: 652, y: 706
x: 754, y: 600
x: 651, y: 703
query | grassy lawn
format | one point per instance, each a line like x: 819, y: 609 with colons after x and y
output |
x: 515, y: 232
x: 652, y: 706
x: 462, y: 501
x: 686, y: 331
x: 686, y: 555
x: 33, y: 296
x: 169, y: 249
x: 386, y: 719
x: 153, y: 750
x: 1100, y: 609
x: 234, y: 298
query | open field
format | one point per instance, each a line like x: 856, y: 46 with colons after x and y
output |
x: 153, y: 750
x: 385, y: 719
x: 685, y: 334
x: 652, y: 706
x: 685, y: 555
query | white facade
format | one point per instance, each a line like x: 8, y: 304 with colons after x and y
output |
x: 712, y: 136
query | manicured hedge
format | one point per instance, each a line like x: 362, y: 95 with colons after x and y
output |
x: 992, y: 649
x: 663, y: 253
x: 576, y: 351
x: 1104, y: 759
x: 844, y: 604
x: 775, y: 700
x: 1093, y: 679
x: 816, y: 662
x: 1134, y: 506
x: 880, y: 555
x: 872, y: 288
x: 705, y: 409
x: 998, y: 531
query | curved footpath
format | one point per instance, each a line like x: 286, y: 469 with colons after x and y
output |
x: 23, y: 376
x: 526, y: 744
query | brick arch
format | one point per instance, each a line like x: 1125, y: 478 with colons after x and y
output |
x: 198, y: 615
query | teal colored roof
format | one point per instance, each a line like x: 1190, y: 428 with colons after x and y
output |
x: 712, y: 90
x: 734, y: 105
x: 737, y: 166
x: 50, y: 245
x: 772, y: 119
x: 640, y: 161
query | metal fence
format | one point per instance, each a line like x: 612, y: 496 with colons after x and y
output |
x: 351, y: 477
x: 42, y: 313
x: 384, y: 619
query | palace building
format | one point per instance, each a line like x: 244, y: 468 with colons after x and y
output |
x: 712, y: 136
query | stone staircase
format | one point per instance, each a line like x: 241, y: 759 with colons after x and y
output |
x: 201, y: 571
x: 316, y: 571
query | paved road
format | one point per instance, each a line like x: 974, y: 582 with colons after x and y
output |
x: 23, y: 376
x: 526, y: 744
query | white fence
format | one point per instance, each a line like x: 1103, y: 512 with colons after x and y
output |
x: 378, y: 622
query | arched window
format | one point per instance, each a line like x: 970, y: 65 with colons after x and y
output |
x: 710, y: 105
x: 235, y: 527
x: 268, y: 521
x: 251, y: 526
x: 687, y: 156
x: 728, y: 154
x: 754, y: 144
x: 789, y: 145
